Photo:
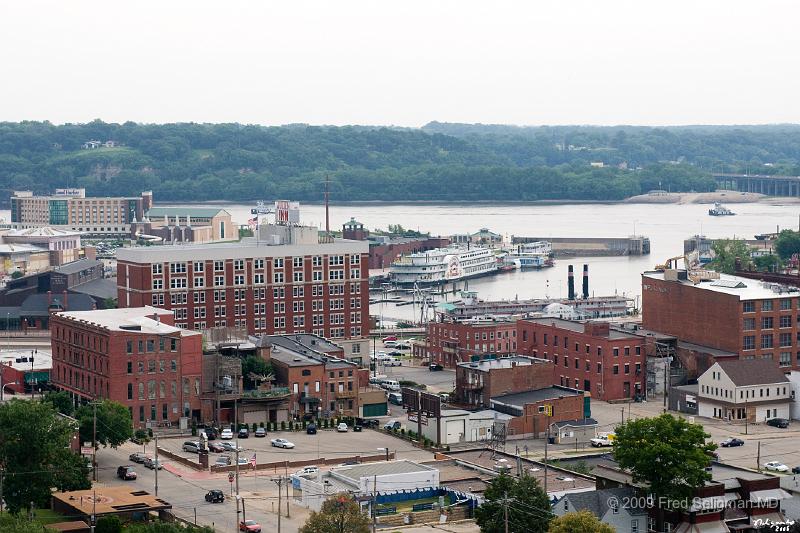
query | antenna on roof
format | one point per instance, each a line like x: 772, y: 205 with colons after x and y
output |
x: 327, y: 196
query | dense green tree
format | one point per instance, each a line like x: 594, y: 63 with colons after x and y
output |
x: 17, y: 524
x: 580, y: 522
x: 726, y: 252
x: 60, y: 401
x: 527, y: 503
x: 767, y: 262
x: 114, y: 425
x: 668, y: 454
x: 35, y: 453
x: 254, y: 370
x: 339, y: 514
x: 194, y: 162
x: 787, y: 244
x: 108, y: 524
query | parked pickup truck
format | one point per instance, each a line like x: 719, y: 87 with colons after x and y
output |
x: 603, y: 440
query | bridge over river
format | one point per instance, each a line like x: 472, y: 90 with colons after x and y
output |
x: 760, y: 183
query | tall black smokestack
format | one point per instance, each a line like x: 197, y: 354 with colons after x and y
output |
x: 585, y: 281
x: 570, y: 283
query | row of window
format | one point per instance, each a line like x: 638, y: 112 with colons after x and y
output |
x: 768, y: 322
x: 785, y: 340
x: 784, y: 304
x: 258, y: 264
x: 588, y: 365
x: 149, y: 345
x: 722, y: 392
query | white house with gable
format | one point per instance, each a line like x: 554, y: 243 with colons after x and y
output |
x: 755, y: 390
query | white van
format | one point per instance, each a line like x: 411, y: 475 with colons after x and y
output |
x: 390, y: 344
x: 391, y: 384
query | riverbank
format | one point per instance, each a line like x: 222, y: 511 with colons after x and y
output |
x: 727, y: 197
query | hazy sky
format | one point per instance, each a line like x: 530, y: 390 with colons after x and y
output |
x: 403, y: 62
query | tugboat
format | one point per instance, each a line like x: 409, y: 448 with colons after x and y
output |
x: 720, y: 210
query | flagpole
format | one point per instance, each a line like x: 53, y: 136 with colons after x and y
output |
x: 255, y: 470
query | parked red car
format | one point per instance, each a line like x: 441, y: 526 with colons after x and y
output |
x: 250, y: 526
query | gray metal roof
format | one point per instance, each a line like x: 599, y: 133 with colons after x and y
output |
x: 533, y: 396
x: 380, y: 469
x: 77, y: 266
x: 585, y: 422
x: 597, y: 501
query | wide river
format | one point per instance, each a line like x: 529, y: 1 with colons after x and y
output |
x: 666, y: 226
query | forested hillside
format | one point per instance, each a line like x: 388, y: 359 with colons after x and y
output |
x: 193, y: 162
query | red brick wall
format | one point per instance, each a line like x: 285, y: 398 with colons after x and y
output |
x: 716, y: 319
x: 535, y: 423
x: 499, y: 381
x: 92, y: 362
x: 450, y: 343
x: 692, y: 314
x: 135, y: 288
x: 605, y: 384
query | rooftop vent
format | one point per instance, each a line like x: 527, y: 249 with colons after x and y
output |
x: 729, y: 284
x: 131, y: 327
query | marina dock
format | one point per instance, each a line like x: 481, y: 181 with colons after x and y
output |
x: 592, y: 246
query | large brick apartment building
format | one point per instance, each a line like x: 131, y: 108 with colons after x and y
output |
x: 134, y: 356
x: 742, y: 316
x: 607, y: 362
x: 451, y: 342
x: 298, y: 284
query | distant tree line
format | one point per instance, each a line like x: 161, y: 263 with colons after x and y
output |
x: 440, y: 162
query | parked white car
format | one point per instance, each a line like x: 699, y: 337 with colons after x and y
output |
x: 281, y: 443
x: 776, y: 466
x: 342, y: 428
x: 308, y: 471
x: 226, y: 434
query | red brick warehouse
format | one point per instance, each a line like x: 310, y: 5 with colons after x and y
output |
x: 134, y: 356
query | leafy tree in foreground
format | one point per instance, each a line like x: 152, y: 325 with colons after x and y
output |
x: 528, y: 506
x: 60, y: 401
x: 787, y: 243
x: 726, y: 251
x: 339, y: 514
x: 34, y: 450
x: 580, y: 522
x: 255, y: 366
x: 108, y: 524
x: 114, y: 425
x: 667, y: 453
x: 16, y: 524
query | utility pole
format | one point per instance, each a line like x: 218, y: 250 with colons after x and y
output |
x: 758, y: 457
x: 374, y: 503
x: 94, y: 443
x: 237, y: 468
x: 505, y: 511
x: 666, y: 383
x: 622, y: 416
x: 279, y: 482
x: 327, y: 196
x: 244, y: 512
x: 745, y: 415
x: 237, y: 512
x: 94, y: 509
x: 157, y: 466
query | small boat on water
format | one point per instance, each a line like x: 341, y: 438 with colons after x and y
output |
x: 532, y: 255
x: 720, y: 210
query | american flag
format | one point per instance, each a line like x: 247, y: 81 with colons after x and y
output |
x: 253, y: 461
x: 252, y: 222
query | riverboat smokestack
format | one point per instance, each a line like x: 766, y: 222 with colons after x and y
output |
x: 585, y: 281
x: 570, y: 283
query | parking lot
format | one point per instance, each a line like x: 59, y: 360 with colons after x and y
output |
x: 327, y: 444
x: 412, y: 370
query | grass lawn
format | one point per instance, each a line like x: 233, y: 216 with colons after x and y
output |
x: 46, y: 516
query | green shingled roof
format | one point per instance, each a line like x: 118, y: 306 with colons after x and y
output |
x: 199, y: 212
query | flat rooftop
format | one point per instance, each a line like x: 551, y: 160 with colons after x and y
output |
x: 301, y: 341
x: 743, y: 288
x: 130, y: 319
x: 503, y: 362
x: 110, y: 500
x: 579, y: 327
x: 355, y: 473
x: 292, y: 358
x: 519, y: 399
x: 21, y: 359
x: 245, y: 249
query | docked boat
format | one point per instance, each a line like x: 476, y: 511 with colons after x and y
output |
x: 720, y: 210
x: 443, y: 265
x: 532, y: 255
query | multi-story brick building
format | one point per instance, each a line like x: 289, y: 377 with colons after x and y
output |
x: 744, y: 316
x: 478, y: 382
x: 70, y: 209
x: 310, y: 285
x: 535, y: 410
x: 319, y: 381
x: 134, y: 356
x: 609, y: 363
x: 457, y: 341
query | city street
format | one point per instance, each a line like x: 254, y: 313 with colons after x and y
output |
x: 185, y: 488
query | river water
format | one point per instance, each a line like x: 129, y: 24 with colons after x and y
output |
x: 666, y: 226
